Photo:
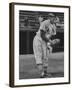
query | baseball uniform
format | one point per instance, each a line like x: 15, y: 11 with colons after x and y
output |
x: 40, y: 46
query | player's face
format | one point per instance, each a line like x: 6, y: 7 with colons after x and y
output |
x: 40, y: 19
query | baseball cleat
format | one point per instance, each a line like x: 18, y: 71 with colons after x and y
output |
x: 43, y: 74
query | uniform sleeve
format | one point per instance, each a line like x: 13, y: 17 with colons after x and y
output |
x: 44, y: 25
x: 54, y: 29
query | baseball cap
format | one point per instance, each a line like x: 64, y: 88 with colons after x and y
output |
x: 51, y: 15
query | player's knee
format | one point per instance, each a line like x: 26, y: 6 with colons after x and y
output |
x: 45, y: 65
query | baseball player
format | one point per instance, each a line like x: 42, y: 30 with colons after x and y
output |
x: 42, y: 43
x: 40, y: 19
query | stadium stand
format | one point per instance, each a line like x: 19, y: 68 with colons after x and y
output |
x: 28, y: 26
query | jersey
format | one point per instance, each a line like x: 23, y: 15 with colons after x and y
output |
x: 47, y: 27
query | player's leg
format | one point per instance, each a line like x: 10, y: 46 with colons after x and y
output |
x: 41, y: 70
x: 37, y: 48
x: 45, y: 66
x: 45, y: 57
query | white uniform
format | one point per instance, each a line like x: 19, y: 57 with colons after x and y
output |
x: 40, y: 46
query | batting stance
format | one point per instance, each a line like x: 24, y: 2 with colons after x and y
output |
x: 42, y: 43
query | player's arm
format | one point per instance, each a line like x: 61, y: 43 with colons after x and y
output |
x: 44, y: 37
x: 43, y: 32
x: 49, y: 48
x: 55, y: 41
x: 54, y: 30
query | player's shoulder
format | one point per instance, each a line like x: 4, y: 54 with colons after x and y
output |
x: 46, y: 21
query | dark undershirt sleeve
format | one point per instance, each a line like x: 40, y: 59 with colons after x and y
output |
x: 43, y: 35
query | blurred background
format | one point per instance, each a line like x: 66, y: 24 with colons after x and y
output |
x: 29, y: 25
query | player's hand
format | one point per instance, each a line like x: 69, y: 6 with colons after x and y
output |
x: 55, y: 41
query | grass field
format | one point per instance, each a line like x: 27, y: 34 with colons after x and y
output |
x: 28, y: 68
